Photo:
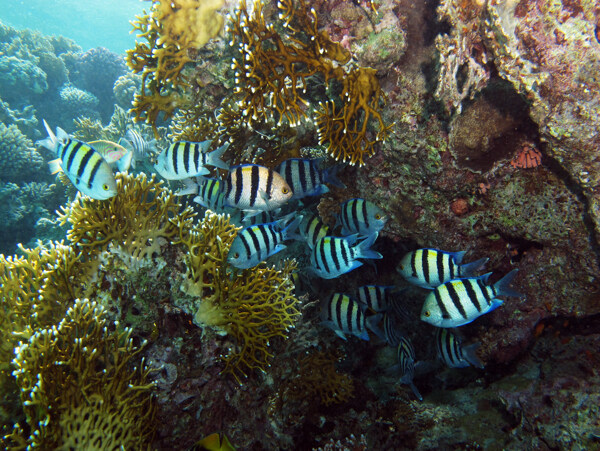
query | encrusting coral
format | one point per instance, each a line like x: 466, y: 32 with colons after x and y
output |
x: 254, y: 305
x: 79, y: 387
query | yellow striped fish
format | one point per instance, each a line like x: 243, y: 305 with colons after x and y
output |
x: 255, y: 188
x: 184, y: 159
x: 85, y: 167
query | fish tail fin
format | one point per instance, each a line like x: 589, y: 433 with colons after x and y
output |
x: 363, y: 248
x: 458, y: 256
x: 214, y: 157
x: 415, y: 391
x: 373, y: 324
x: 502, y: 287
x: 470, y: 355
x: 330, y: 176
x: 51, y: 142
x: 190, y: 187
x: 289, y: 232
x: 469, y: 269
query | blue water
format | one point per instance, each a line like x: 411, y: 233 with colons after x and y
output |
x: 91, y: 23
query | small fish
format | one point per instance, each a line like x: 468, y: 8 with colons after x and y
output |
x: 341, y: 313
x: 452, y: 353
x: 213, y: 442
x: 333, y: 256
x: 184, y: 159
x: 391, y: 333
x: 113, y: 153
x: 255, y: 243
x: 361, y: 216
x: 429, y: 268
x: 375, y: 296
x: 312, y: 229
x: 305, y: 178
x: 140, y: 147
x: 85, y: 167
x: 255, y: 188
x: 460, y: 301
x: 406, y: 360
x: 210, y: 195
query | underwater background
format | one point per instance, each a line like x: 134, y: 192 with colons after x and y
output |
x: 300, y: 224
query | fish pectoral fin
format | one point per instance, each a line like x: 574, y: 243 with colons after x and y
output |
x: 54, y: 166
x: 340, y: 334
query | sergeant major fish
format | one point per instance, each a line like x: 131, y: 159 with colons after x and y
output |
x: 209, y: 194
x: 406, y: 360
x: 375, y: 296
x: 361, y: 216
x: 333, y: 256
x: 429, y: 268
x: 255, y: 188
x: 255, y: 243
x: 305, y: 178
x: 460, y: 301
x: 343, y: 314
x: 85, y: 167
x: 184, y: 159
x: 140, y: 147
x: 452, y: 353
x: 312, y: 229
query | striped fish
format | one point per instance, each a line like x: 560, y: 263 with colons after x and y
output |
x: 255, y: 188
x: 361, y: 216
x: 333, y: 256
x: 375, y: 296
x: 140, y: 147
x: 429, y: 268
x: 312, y: 229
x: 406, y: 360
x: 83, y: 166
x: 341, y: 313
x: 452, y: 353
x: 255, y: 243
x: 184, y: 159
x: 391, y: 332
x: 305, y: 178
x: 210, y: 194
x: 460, y: 301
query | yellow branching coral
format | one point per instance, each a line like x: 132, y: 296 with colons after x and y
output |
x: 172, y: 30
x: 345, y: 129
x: 318, y: 377
x: 253, y: 305
x: 79, y: 387
x: 139, y: 219
x: 273, y: 73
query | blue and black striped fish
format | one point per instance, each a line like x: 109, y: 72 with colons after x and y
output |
x: 210, y: 195
x: 312, y: 229
x: 361, y: 216
x: 255, y: 188
x: 84, y: 167
x: 406, y: 360
x: 342, y: 314
x: 376, y: 297
x: 333, y: 256
x: 429, y: 268
x: 255, y: 243
x: 139, y: 145
x: 184, y: 159
x: 305, y: 178
x: 460, y: 301
x: 452, y: 353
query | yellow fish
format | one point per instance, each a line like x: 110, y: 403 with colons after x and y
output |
x: 213, y: 442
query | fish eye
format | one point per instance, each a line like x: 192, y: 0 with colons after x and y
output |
x: 427, y: 314
x: 285, y: 190
x: 378, y: 216
x: 105, y: 187
x: 400, y: 267
x: 236, y: 255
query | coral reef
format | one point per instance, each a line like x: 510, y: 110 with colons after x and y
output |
x: 76, y: 102
x: 254, y: 305
x: 18, y: 158
x: 139, y: 220
x: 79, y: 387
x: 173, y: 31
